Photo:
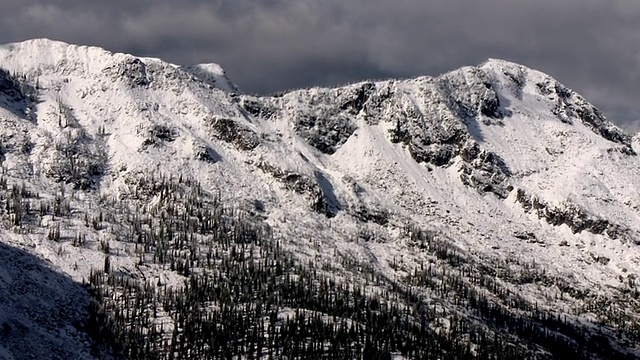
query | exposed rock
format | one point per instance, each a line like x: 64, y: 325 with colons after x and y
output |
x: 324, y: 118
x: 518, y: 79
x: 354, y: 98
x: 203, y: 152
x: 301, y: 184
x: 373, y: 109
x: 600, y: 259
x: 571, y: 105
x: 469, y: 93
x: 436, y: 154
x: 231, y: 131
x: 367, y: 214
x: 568, y: 214
x: 442, y: 128
x: 439, y: 142
x: 251, y: 105
x: 324, y: 131
x: 132, y: 71
x: 526, y: 235
x: 594, y: 119
x: 434, y: 136
x: 264, y: 108
x: 484, y: 170
x: 163, y: 133
x: 157, y: 134
x: 211, y: 75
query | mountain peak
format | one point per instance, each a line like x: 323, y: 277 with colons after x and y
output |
x: 40, y: 47
x: 38, y: 42
x: 213, y: 74
x: 45, y: 57
x: 495, y: 62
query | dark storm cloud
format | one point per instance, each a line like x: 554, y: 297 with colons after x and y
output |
x: 592, y: 46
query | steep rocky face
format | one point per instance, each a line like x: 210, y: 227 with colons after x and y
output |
x: 310, y: 187
x: 132, y: 70
x: 438, y: 120
x: 484, y: 171
x: 316, y: 116
x: 469, y: 93
x: 569, y: 214
x: 435, y: 123
x: 570, y: 105
x: 233, y: 132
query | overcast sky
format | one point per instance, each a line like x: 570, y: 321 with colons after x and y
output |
x: 592, y: 46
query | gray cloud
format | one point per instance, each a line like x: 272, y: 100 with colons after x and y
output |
x: 593, y: 46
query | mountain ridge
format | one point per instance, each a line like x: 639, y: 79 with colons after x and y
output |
x: 345, y: 172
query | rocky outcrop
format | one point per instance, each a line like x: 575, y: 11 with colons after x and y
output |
x: 158, y: 134
x: 484, y: 170
x: 469, y: 92
x: 569, y: 214
x: 367, y: 214
x: 323, y: 124
x: 258, y: 107
x: 354, y: 98
x: 324, y: 118
x: 233, y: 132
x: 516, y: 76
x: 569, y: 105
x: 430, y: 130
x: 304, y: 185
x: 368, y: 100
x: 443, y: 127
x: 131, y: 70
x: 202, y: 152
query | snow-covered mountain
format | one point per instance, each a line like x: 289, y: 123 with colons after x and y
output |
x: 494, y: 181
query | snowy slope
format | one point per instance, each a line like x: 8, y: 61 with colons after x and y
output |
x: 502, y: 162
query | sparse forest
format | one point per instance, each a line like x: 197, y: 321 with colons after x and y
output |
x: 245, y: 295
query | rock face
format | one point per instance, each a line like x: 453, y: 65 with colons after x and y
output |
x: 157, y: 134
x: 310, y: 187
x: 436, y: 123
x: 483, y: 170
x: 315, y: 116
x: 569, y: 214
x: 233, y: 132
x: 131, y: 70
x: 570, y: 105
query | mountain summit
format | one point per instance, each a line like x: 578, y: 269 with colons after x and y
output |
x: 488, y: 211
